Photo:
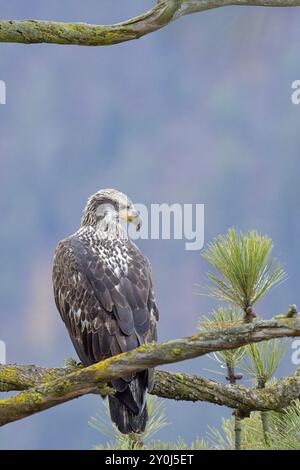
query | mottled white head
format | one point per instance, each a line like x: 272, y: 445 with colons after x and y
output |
x: 106, y: 209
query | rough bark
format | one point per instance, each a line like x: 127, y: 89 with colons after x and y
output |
x: 163, y: 13
x: 170, y: 385
x: 44, y: 388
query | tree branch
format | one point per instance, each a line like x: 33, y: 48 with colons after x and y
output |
x: 170, y: 385
x: 45, y: 388
x: 163, y: 13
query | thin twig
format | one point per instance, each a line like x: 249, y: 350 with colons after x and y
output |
x: 264, y: 415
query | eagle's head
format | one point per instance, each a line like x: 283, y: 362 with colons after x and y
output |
x: 109, y: 206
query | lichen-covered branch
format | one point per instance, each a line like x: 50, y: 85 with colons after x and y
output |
x: 170, y: 385
x: 45, y: 388
x: 193, y: 388
x: 163, y: 13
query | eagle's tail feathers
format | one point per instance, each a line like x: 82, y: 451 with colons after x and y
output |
x: 124, y: 419
x: 128, y: 409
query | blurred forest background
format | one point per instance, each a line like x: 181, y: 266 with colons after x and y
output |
x: 199, y: 112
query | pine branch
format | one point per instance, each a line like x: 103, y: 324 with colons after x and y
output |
x: 245, y: 269
x: 45, y: 388
x: 162, y: 14
x: 169, y: 385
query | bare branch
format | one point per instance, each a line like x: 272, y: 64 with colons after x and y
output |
x: 163, y: 13
x: 54, y: 386
x: 33, y: 31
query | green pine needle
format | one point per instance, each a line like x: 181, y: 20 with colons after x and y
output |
x: 284, y: 431
x: 246, y: 271
x: 285, y: 428
x: 263, y: 360
x: 219, y: 319
x: 157, y: 421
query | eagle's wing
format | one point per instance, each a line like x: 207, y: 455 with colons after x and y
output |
x: 107, y: 309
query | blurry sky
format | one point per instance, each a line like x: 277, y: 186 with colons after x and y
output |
x: 199, y: 112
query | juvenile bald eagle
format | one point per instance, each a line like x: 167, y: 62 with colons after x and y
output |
x: 104, y: 293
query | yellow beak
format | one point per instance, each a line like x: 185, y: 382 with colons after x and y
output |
x: 132, y: 216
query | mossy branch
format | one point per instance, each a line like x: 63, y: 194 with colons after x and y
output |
x: 45, y: 388
x: 169, y: 385
x: 163, y: 13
